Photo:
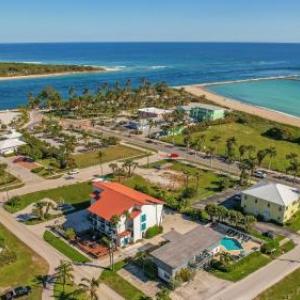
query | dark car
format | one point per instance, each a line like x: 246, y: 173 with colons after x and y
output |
x: 17, y: 292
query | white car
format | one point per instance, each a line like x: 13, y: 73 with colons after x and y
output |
x: 73, y: 172
x: 260, y: 174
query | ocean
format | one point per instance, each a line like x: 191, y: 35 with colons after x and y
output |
x: 174, y: 63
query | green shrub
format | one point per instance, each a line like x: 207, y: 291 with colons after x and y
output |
x: 70, y: 234
x: 37, y: 170
x: 270, y: 247
x: 153, y: 231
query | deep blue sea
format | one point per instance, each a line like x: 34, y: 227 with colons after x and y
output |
x: 175, y: 63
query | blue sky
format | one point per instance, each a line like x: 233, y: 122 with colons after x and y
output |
x: 149, y: 20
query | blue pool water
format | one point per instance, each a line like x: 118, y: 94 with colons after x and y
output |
x: 231, y: 244
x: 174, y: 63
x: 281, y: 95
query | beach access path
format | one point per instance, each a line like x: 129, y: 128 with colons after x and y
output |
x: 200, y: 90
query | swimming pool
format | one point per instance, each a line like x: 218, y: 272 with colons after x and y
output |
x: 231, y: 244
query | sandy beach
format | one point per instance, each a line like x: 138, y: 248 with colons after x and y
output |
x: 55, y: 74
x: 200, y: 90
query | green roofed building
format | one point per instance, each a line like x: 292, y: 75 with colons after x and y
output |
x: 199, y: 112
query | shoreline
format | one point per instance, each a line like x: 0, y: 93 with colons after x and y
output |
x: 234, y: 104
x: 33, y: 76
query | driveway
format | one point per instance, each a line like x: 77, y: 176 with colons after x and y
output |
x: 201, y: 287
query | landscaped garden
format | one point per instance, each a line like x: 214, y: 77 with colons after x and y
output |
x: 64, y: 248
x: 287, y: 288
x: 75, y: 194
x: 7, y: 180
x: 20, y: 265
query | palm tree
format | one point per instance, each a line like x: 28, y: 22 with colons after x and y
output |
x: 294, y: 165
x: 113, y: 167
x: 272, y: 152
x: 90, y: 286
x: 100, y: 157
x: 64, y: 273
x: 211, y: 210
x: 210, y: 151
x: 260, y: 156
x: 129, y: 166
x: 249, y: 221
x: 216, y: 139
x: 42, y: 280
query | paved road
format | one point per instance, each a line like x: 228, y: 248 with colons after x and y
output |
x: 86, y: 174
x: 200, y: 158
x: 257, y: 282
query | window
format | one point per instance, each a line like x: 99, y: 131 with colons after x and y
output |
x: 279, y: 208
x: 143, y: 218
x: 255, y: 200
x: 268, y: 204
x: 143, y: 226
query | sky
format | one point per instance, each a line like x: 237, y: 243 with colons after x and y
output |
x: 149, y: 20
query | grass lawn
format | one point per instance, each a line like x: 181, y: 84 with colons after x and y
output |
x: 69, y: 293
x: 75, y: 194
x: 209, y: 182
x: 119, y: 284
x: 64, y: 248
x: 9, y: 181
x: 24, y: 270
x: 244, y: 267
x: 109, y: 154
x: 287, y: 288
x: 246, y: 135
x: 294, y: 222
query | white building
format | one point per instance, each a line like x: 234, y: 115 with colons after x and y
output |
x: 11, y: 143
x: 153, y: 113
x: 135, y: 212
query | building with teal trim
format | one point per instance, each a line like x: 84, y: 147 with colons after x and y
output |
x: 200, y: 112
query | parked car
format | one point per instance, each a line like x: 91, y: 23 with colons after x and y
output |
x: 17, y: 292
x: 260, y: 174
x: 73, y: 172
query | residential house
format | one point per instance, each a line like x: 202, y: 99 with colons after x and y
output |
x: 196, y: 247
x: 199, y: 112
x: 134, y: 211
x: 271, y: 201
x: 154, y: 113
x: 11, y: 142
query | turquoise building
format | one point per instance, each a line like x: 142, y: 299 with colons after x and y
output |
x: 200, y: 112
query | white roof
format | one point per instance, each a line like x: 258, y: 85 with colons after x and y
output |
x: 274, y: 192
x: 155, y: 110
x: 10, y: 143
x: 201, y: 105
x: 13, y: 135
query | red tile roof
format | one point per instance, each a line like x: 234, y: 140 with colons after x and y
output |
x: 116, y: 198
x: 124, y: 233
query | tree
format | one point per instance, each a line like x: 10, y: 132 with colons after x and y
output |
x: 216, y: 140
x: 249, y: 221
x: 90, y: 286
x: 294, y: 165
x: 42, y: 280
x: 109, y: 242
x: 230, y: 147
x: 64, y: 273
x: 211, y: 210
x: 129, y: 166
x: 260, y: 156
x: 271, y: 152
x: 100, y: 157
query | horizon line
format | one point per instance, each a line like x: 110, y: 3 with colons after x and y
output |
x: 149, y: 42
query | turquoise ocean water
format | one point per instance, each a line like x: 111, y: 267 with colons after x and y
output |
x: 174, y: 63
x: 280, y: 94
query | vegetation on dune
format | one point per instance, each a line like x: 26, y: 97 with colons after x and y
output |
x: 9, y: 69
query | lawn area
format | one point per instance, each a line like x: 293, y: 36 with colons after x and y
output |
x: 119, y: 284
x: 109, y: 154
x: 24, y: 269
x: 75, y: 194
x: 69, y: 293
x: 64, y: 248
x: 244, y: 267
x: 287, y: 288
x: 294, y: 222
x: 9, y: 181
x: 246, y: 134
